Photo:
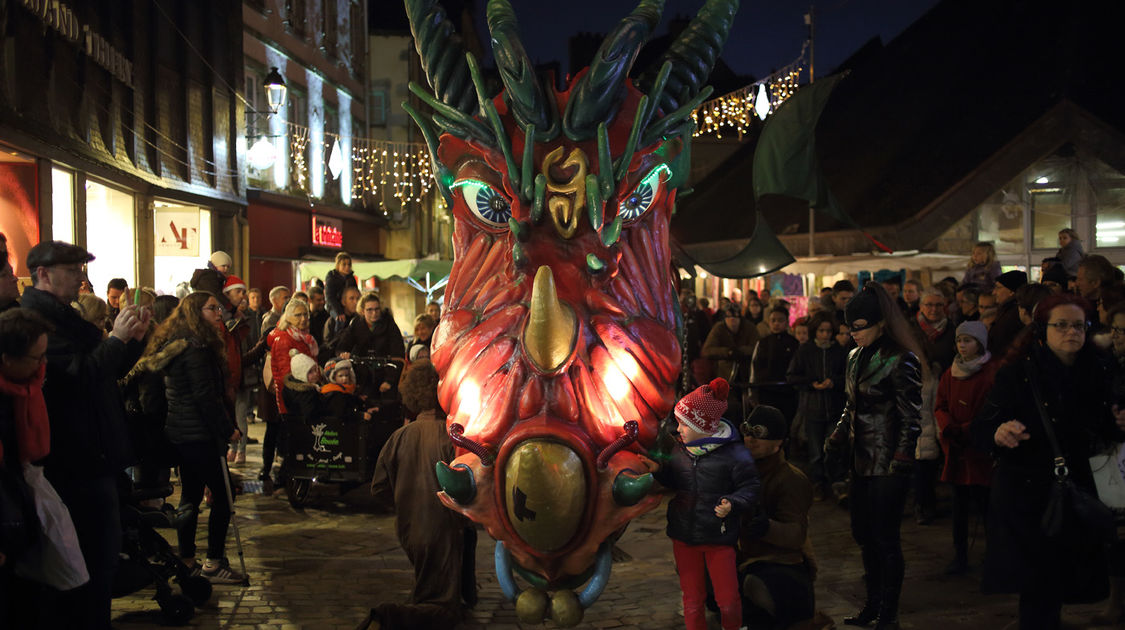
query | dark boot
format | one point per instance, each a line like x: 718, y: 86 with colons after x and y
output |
x: 888, y: 606
x: 870, y: 610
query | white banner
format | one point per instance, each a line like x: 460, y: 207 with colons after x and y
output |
x: 177, y: 232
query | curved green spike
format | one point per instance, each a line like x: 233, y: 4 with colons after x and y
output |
x: 628, y: 490
x: 528, y: 164
x: 521, y: 86
x: 597, y: 95
x: 594, y: 264
x: 605, y: 163
x: 519, y: 257
x: 489, y: 110
x: 612, y: 232
x: 657, y: 90
x: 677, y: 117
x: 432, y: 145
x: 457, y: 481
x: 631, y: 145
x: 537, y: 200
x: 594, y: 208
x: 460, y: 118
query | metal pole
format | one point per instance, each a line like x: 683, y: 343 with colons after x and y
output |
x: 812, y: 43
x: 812, y: 229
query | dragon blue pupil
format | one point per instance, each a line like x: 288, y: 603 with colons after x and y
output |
x: 636, y: 203
x: 492, y: 206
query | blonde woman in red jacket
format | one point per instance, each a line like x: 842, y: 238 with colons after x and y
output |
x: 291, y: 333
x: 960, y: 395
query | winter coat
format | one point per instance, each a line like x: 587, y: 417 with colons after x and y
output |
x: 382, y: 340
x: 941, y: 350
x: 812, y: 364
x: 146, y: 406
x: 928, y: 448
x: 302, y: 400
x: 1078, y: 401
x: 280, y: 343
x: 701, y: 481
x: 317, y: 321
x: 194, y: 385
x: 340, y: 404
x: 725, y: 348
x: 1070, y: 256
x: 1005, y: 329
x: 984, y: 276
x: 334, y: 285
x: 958, y: 402
x: 86, y: 409
x: 211, y: 280
x: 883, y: 400
x: 787, y: 496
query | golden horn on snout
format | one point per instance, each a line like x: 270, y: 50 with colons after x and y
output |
x: 551, y: 333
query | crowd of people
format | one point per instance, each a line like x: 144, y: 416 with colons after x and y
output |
x: 97, y: 396
x: 891, y: 390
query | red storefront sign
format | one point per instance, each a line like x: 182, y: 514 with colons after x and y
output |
x: 327, y: 232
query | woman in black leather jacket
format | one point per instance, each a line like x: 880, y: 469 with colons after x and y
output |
x: 883, y: 389
x: 198, y: 424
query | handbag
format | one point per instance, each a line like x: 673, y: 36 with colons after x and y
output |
x: 1109, y: 477
x: 1072, y: 511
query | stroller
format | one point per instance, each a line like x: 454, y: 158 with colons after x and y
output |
x: 335, y: 446
x: 147, y: 559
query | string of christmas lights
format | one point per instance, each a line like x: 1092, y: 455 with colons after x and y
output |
x: 382, y: 170
x: 738, y: 109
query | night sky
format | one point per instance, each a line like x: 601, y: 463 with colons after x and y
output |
x: 766, y: 35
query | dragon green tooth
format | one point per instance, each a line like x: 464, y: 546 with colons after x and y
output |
x: 594, y: 264
x: 611, y: 233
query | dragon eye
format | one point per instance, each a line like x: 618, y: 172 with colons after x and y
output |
x: 640, y: 198
x: 489, y: 205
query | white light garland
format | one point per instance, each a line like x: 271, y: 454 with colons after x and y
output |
x: 737, y: 109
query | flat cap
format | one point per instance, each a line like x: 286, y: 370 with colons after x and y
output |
x: 51, y: 253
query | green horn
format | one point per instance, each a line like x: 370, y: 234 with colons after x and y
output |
x: 457, y: 481
x: 629, y: 489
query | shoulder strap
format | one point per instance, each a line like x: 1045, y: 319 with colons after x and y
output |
x: 1061, y: 471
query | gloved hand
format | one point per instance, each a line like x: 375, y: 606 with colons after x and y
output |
x: 901, y: 467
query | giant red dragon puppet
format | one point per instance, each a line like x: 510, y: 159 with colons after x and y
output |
x: 559, y: 346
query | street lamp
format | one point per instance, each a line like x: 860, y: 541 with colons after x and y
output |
x: 275, y: 90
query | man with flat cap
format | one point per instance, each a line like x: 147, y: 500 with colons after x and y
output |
x: 1007, y: 325
x: 776, y: 569
x: 89, y: 441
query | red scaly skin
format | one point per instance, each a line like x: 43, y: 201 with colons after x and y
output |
x: 625, y: 361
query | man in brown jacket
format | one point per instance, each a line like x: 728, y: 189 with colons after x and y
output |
x: 776, y: 569
x: 731, y: 343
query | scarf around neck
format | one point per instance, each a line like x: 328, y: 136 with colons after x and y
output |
x: 705, y: 445
x: 29, y: 411
x: 962, y: 369
x: 932, y: 331
x: 305, y: 338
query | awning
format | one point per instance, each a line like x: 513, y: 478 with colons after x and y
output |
x: 408, y: 269
x: 911, y: 260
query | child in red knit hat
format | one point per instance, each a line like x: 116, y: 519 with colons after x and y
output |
x: 716, y: 482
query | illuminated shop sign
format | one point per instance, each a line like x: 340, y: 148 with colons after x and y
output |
x: 327, y: 232
x: 60, y: 17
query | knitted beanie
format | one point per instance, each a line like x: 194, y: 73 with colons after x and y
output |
x: 975, y: 329
x: 702, y: 408
x: 300, y: 364
x: 221, y: 258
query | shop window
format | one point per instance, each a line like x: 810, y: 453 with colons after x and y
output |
x: 379, y: 105
x: 110, y: 236
x: 1050, y: 187
x: 62, y: 205
x: 182, y: 243
x: 296, y: 15
x: 1108, y: 187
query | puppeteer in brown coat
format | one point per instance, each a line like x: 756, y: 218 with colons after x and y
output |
x: 431, y: 534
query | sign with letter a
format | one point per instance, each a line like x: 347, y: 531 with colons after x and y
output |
x: 177, y: 232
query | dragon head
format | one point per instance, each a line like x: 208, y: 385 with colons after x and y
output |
x: 558, y: 348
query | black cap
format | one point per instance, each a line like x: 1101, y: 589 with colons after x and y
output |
x: 865, y: 305
x: 765, y: 423
x: 1056, y: 274
x: 1012, y: 280
x: 51, y: 253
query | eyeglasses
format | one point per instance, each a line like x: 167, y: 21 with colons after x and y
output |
x: 1117, y: 330
x: 1062, y: 327
x: 212, y: 308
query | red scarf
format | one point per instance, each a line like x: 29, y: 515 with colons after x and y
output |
x: 932, y: 331
x: 29, y: 410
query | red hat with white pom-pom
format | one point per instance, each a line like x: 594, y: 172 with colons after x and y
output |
x: 702, y: 408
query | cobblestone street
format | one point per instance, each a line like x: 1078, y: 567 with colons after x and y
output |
x: 325, y: 566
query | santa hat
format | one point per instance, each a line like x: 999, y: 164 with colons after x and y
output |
x: 300, y: 364
x: 233, y: 282
x: 702, y: 408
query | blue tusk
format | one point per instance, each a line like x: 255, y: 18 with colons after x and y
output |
x: 503, y: 561
x: 597, y: 584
